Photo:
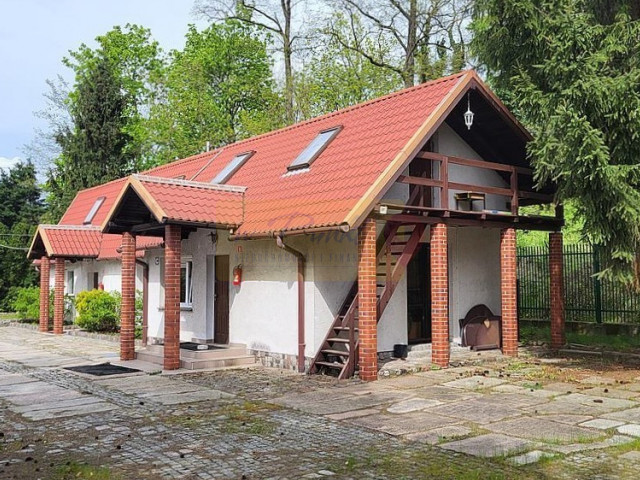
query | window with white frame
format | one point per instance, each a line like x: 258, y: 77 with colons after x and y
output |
x: 186, y: 285
x: 71, y: 288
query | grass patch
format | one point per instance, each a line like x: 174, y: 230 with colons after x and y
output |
x: 427, y: 463
x: 619, y: 343
x: 625, y: 447
x: 80, y: 471
x: 532, y: 386
x: 248, y: 417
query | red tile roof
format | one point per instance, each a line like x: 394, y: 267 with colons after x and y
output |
x: 86, y: 241
x: 66, y: 241
x: 339, y: 188
x: 191, y: 202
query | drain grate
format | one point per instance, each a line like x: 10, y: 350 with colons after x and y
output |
x: 102, y: 369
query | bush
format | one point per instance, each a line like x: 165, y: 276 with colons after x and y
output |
x: 98, y: 311
x: 26, y: 303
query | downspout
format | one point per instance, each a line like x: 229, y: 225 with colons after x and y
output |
x: 145, y: 298
x: 301, y: 264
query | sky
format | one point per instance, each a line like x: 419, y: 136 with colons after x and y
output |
x: 36, y: 34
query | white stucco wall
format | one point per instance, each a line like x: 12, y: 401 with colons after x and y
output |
x: 474, y: 272
x: 449, y: 142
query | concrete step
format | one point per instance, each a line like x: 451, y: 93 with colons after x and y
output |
x: 418, y: 354
x: 212, y: 354
x: 150, y: 356
x: 192, y: 364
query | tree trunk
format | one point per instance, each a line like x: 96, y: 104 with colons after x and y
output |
x: 410, y: 54
x: 288, y: 70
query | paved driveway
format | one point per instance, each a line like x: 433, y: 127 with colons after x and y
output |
x: 490, y: 421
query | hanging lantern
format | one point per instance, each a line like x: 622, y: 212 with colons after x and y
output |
x: 468, y: 115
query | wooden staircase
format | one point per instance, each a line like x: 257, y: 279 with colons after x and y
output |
x: 338, y: 354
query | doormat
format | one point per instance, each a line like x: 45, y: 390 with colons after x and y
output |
x: 198, y: 346
x: 102, y: 369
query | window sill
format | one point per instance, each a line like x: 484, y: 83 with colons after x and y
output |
x: 183, y: 308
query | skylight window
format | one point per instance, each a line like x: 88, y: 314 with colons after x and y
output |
x: 94, y: 209
x: 314, y: 149
x: 232, y: 167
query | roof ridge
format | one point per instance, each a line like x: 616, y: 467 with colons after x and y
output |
x: 309, y: 121
x: 69, y: 227
x: 190, y: 183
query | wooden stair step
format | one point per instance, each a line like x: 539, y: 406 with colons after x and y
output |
x: 341, y: 353
x: 345, y: 329
x: 338, y: 340
x: 337, y: 365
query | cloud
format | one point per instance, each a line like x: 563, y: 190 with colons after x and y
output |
x: 7, y: 163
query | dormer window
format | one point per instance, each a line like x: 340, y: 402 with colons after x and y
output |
x: 94, y: 209
x: 232, y: 167
x: 314, y: 149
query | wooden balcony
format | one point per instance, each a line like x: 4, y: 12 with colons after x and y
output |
x: 418, y: 208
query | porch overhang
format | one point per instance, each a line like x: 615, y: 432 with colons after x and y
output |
x: 65, y: 241
x: 146, y: 204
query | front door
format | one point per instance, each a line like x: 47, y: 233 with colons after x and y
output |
x: 221, y: 299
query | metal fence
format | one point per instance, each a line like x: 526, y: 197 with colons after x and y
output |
x: 587, y: 298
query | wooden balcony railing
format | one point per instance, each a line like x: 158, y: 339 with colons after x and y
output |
x: 445, y: 185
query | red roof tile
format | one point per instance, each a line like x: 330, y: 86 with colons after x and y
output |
x: 343, y: 180
x: 67, y: 241
x: 193, y: 202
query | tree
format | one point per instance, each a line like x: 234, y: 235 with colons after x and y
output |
x: 573, y: 76
x: 20, y: 211
x: 427, y: 37
x: 336, y: 77
x: 282, y: 18
x: 95, y: 150
x: 136, y: 60
x: 218, y: 89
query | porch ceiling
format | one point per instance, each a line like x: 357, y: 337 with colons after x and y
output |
x: 146, y: 204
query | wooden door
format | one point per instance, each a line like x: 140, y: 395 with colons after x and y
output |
x: 221, y: 299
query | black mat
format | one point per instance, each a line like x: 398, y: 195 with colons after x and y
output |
x: 194, y: 346
x: 102, y: 369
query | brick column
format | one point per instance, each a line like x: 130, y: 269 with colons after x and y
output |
x: 439, y: 296
x: 128, y: 309
x: 367, y: 301
x: 172, y: 248
x: 509, y: 292
x: 556, y: 290
x: 58, y: 299
x: 45, y: 272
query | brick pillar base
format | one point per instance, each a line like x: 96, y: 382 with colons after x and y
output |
x: 556, y: 290
x: 45, y: 272
x: 128, y: 309
x: 367, y: 301
x: 439, y: 296
x: 509, y: 292
x: 58, y: 300
x: 172, y: 249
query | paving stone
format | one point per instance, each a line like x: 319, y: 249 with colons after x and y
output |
x: 529, y: 457
x: 479, y: 410
x: 353, y: 414
x: 444, y: 394
x: 69, y: 411
x: 403, y: 424
x: 524, y: 390
x: 563, y: 387
x: 598, y: 380
x: 190, y: 397
x: 631, y: 429
x: 438, y: 435
x: 631, y: 415
x: 601, y: 423
x: 412, y: 405
x: 633, y: 456
x: 584, y: 447
x: 604, y: 402
x: 59, y: 404
x: 330, y: 405
x: 567, y: 418
x: 489, y: 445
x: 475, y: 382
x: 15, y: 379
x: 612, y: 393
x: 543, y: 430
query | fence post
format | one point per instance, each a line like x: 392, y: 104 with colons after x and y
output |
x: 597, y: 285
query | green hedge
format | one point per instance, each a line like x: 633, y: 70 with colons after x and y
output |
x: 98, y: 311
x: 26, y: 303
